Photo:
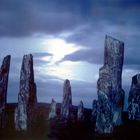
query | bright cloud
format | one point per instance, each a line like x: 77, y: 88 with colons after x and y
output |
x: 58, y: 48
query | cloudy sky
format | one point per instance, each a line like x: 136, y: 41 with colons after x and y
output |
x: 66, y: 38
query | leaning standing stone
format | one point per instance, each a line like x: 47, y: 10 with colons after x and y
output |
x: 27, y: 97
x: 4, y: 74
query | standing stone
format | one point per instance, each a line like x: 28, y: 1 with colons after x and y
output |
x: 109, y: 85
x: 4, y: 74
x: 134, y: 99
x: 52, y: 113
x: 67, y: 100
x: 94, y: 111
x: 80, y: 113
x: 27, y: 97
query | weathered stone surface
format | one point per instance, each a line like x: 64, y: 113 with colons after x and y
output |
x: 27, y: 97
x: 21, y: 115
x: 52, y: 113
x: 80, y: 112
x: 109, y: 85
x: 4, y: 74
x: 67, y: 100
x: 134, y: 99
x: 94, y: 111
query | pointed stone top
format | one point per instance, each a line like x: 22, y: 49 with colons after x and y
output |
x: 53, y: 101
x: 66, y: 82
x: 114, y: 52
x: 94, y: 102
x: 81, y: 103
x: 137, y: 75
x: 7, y: 57
x: 107, y: 37
x: 27, y: 61
x: 28, y: 56
x: 6, y: 60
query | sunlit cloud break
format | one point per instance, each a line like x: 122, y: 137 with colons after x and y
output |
x: 59, y: 48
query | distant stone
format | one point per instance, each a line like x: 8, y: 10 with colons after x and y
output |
x: 16, y: 118
x: 109, y: 85
x: 27, y: 97
x: 52, y: 113
x: 67, y: 100
x: 94, y: 111
x: 80, y: 112
x: 134, y: 99
x: 4, y: 74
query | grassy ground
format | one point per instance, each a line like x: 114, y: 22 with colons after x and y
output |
x: 37, y: 131
x: 41, y: 129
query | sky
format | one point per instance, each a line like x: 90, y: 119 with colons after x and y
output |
x: 66, y: 38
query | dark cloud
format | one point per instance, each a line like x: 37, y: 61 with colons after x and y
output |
x: 132, y: 49
x: 25, y: 18
x: 90, y: 55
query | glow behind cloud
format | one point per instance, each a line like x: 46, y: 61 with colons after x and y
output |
x: 58, y: 48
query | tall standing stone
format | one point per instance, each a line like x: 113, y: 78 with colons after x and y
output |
x: 80, y: 112
x: 67, y: 100
x: 4, y: 74
x: 109, y: 85
x: 134, y: 99
x: 27, y: 97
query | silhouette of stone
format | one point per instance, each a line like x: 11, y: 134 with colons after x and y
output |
x: 80, y: 112
x: 134, y: 99
x: 94, y: 111
x: 27, y: 97
x: 67, y: 100
x: 4, y: 74
x: 52, y: 113
x: 109, y: 85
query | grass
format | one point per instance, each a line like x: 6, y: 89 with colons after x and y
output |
x: 42, y: 129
